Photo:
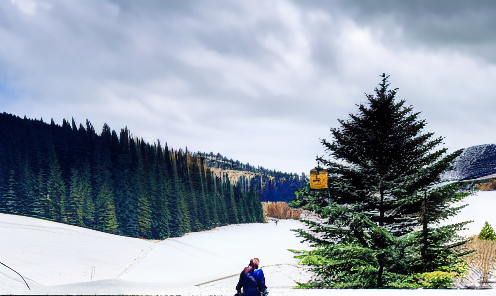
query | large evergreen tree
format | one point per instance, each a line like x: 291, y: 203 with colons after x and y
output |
x: 382, y: 165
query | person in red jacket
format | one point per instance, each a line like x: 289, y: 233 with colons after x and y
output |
x: 252, y: 280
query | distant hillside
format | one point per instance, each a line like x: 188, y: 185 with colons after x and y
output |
x: 275, y: 185
x: 475, y: 162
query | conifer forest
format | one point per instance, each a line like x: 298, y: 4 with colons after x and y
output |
x: 115, y: 183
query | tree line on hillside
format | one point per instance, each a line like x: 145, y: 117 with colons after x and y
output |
x: 378, y: 225
x: 281, y: 187
x: 276, y: 185
x: 115, y: 183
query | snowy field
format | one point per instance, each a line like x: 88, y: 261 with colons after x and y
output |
x: 481, y: 207
x: 56, y: 258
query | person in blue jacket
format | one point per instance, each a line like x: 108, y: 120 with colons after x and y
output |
x: 252, y: 280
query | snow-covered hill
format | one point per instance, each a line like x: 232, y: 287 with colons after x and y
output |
x: 56, y: 258
x: 474, y: 162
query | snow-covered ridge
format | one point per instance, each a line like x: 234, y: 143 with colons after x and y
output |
x: 475, y: 162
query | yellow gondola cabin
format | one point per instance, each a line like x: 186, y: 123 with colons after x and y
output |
x: 318, y: 178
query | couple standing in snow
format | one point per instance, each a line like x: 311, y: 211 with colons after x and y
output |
x: 252, y: 280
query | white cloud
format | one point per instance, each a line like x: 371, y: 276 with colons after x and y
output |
x: 26, y: 6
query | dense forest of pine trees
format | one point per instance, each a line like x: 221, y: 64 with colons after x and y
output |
x: 116, y: 183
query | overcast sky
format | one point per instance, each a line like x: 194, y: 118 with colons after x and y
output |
x: 257, y: 81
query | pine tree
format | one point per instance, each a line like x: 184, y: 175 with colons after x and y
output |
x: 223, y: 209
x: 26, y: 189
x: 191, y: 191
x: 88, y: 211
x: 212, y: 200
x: 240, y: 201
x: 56, y: 189
x: 10, y: 195
x: 171, y: 175
x: 144, y: 217
x: 255, y: 200
x: 75, y: 200
x: 147, y: 185
x: 180, y: 215
x: 160, y: 210
x: 487, y: 232
x: 381, y: 162
x: 232, y: 208
x: 126, y: 188
x: 101, y: 170
x: 39, y: 207
x: 198, y: 179
x: 105, y: 217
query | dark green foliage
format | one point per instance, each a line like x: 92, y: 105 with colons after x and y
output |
x: 144, y: 217
x: 10, y: 195
x: 39, y: 204
x: 351, y: 248
x: 114, y: 182
x: 487, y: 232
x: 88, y: 211
x: 383, y: 172
x: 56, y: 187
x: 76, y: 199
x: 437, y: 243
x: 105, y: 217
x: 159, y: 190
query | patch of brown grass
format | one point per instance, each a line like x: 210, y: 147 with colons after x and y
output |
x: 280, y: 210
x: 487, y: 186
x: 482, y: 261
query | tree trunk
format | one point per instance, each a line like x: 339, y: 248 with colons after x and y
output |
x: 423, y: 251
x: 381, y: 224
x: 379, y: 274
x: 381, y: 208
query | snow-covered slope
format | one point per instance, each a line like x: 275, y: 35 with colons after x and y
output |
x: 49, y: 253
x: 474, y: 162
x: 56, y: 258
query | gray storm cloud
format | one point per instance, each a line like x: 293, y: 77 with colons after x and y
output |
x: 257, y: 81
